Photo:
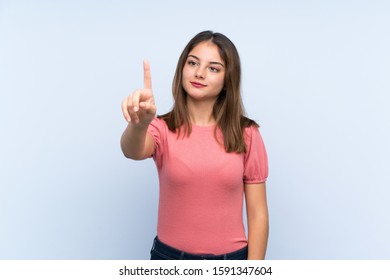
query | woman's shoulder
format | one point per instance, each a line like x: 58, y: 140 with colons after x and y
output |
x: 159, y: 121
x: 251, y: 130
x: 249, y: 124
x: 157, y: 125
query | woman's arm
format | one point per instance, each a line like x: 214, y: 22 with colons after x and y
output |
x: 257, y: 214
x: 136, y: 142
x: 139, y: 110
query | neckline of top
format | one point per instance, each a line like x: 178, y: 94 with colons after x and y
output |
x: 203, y: 127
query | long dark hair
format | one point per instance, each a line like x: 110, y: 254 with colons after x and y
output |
x: 228, y: 109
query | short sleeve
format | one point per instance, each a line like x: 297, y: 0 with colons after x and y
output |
x: 156, y: 129
x: 256, y: 159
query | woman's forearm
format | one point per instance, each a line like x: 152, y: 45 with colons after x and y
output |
x: 136, y: 143
x: 257, y: 215
x: 257, y: 237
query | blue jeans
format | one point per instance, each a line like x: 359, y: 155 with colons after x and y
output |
x: 161, y: 251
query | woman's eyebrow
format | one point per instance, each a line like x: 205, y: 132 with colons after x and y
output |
x: 211, y: 62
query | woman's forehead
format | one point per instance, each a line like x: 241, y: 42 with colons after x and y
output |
x: 206, y: 51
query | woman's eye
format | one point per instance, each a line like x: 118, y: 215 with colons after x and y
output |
x: 213, y: 69
x: 192, y: 63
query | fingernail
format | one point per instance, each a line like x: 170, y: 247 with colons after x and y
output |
x: 135, y: 108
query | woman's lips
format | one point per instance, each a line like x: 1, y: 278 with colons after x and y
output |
x: 197, y: 85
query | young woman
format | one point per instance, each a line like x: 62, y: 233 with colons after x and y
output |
x: 208, y: 155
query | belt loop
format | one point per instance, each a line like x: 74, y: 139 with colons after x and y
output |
x: 225, y: 257
x: 181, y: 256
x: 154, y: 243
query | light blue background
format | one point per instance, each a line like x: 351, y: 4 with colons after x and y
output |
x: 315, y: 76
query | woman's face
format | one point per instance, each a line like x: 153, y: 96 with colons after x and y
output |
x: 204, y: 72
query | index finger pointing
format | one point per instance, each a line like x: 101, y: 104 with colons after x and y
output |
x: 147, y: 75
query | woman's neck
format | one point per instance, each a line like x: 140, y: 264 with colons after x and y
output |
x: 201, y: 113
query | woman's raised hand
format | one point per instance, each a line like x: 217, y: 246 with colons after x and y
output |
x: 139, y: 107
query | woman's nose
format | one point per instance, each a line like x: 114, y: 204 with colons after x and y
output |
x: 200, y: 73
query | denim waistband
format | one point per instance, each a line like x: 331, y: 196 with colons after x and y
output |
x: 176, y: 254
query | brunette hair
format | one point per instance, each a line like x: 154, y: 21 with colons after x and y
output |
x: 228, y: 109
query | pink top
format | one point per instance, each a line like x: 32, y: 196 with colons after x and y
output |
x: 201, y: 188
